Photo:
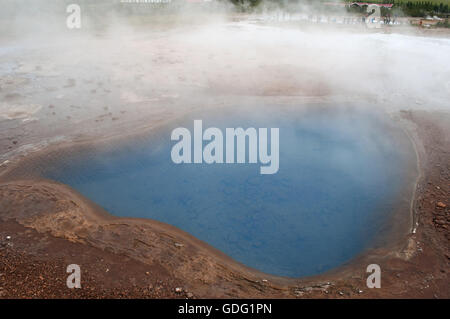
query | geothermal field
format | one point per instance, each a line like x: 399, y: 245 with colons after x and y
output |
x: 194, y: 150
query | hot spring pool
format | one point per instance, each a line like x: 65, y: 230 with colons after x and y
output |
x: 340, y: 174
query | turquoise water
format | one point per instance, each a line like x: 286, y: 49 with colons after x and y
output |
x: 340, y: 174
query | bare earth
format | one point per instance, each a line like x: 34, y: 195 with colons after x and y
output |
x: 51, y: 227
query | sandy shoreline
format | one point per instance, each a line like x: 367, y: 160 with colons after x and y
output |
x: 205, y: 272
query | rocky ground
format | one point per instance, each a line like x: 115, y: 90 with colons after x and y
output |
x: 33, y: 265
x: 45, y: 227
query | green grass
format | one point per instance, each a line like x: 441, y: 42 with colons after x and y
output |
x: 417, y: 8
x: 404, y: 1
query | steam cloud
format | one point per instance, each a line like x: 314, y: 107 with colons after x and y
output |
x: 161, y: 58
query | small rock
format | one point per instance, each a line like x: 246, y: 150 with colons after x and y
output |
x: 189, y: 295
x: 178, y: 245
x: 178, y: 289
x: 8, y: 237
x: 360, y: 291
x: 341, y: 293
x: 4, y: 163
x: 147, y: 273
x: 441, y: 204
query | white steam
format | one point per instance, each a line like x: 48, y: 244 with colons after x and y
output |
x: 191, y: 56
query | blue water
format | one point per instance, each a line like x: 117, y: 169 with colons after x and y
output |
x: 339, y: 176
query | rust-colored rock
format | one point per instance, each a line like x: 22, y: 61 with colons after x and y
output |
x: 441, y: 205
